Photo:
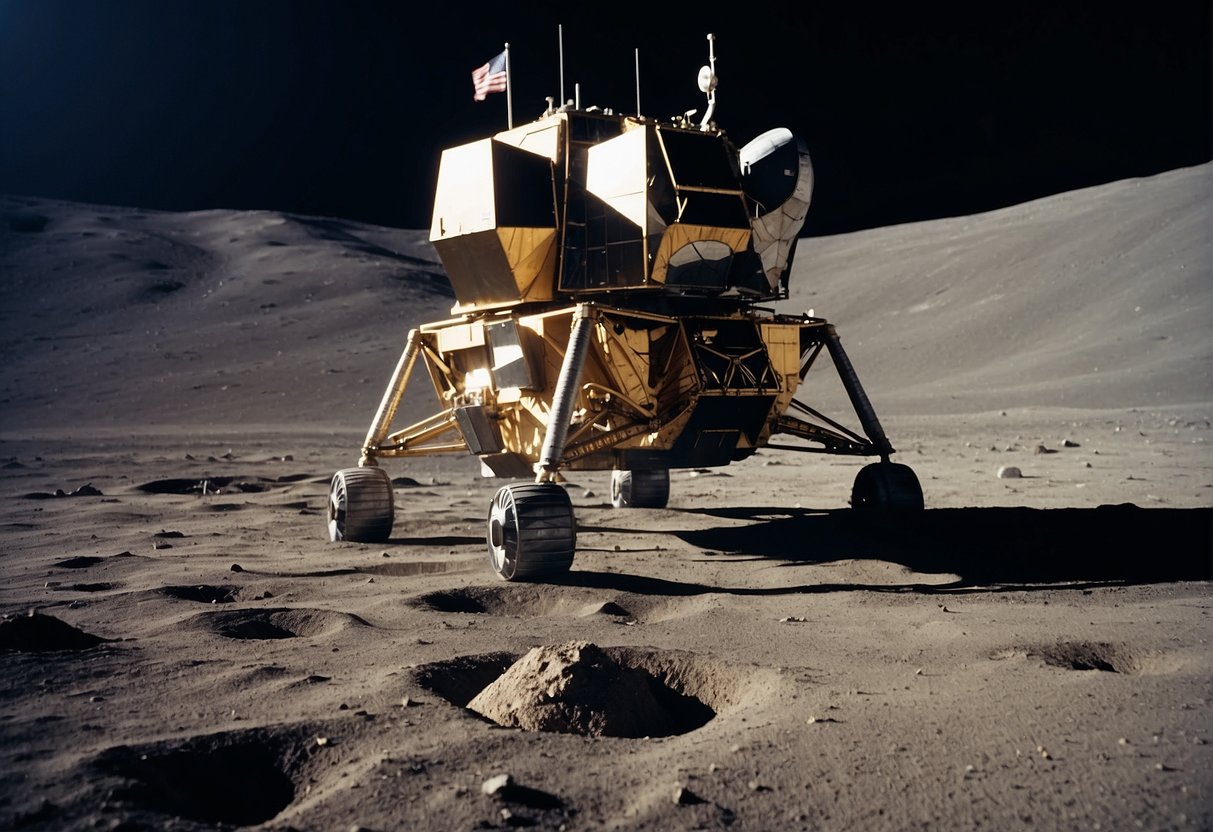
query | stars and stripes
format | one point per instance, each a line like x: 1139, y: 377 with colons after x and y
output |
x: 489, y: 78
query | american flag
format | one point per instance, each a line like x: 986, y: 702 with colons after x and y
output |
x: 489, y: 78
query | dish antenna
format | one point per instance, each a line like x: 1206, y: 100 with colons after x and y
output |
x: 707, y: 83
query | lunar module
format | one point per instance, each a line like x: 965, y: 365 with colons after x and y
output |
x: 609, y: 273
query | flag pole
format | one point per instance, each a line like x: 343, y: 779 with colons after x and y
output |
x: 560, y: 42
x: 509, y: 91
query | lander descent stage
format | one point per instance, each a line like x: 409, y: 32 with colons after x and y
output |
x: 609, y: 271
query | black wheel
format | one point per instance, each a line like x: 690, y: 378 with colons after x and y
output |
x: 641, y: 488
x: 886, y: 485
x: 531, y: 531
x: 361, y: 505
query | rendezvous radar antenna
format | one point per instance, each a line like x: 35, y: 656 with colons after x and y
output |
x: 707, y: 84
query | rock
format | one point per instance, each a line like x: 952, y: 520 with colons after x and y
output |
x: 85, y: 491
x: 685, y: 797
x: 1009, y: 472
x: 1041, y: 449
x: 574, y: 688
x: 496, y: 784
x: 1070, y: 443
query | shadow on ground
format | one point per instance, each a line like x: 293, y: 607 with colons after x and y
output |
x: 990, y: 549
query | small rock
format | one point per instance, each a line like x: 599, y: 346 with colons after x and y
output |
x: 1070, y: 443
x: 322, y: 741
x: 1009, y: 472
x: 685, y: 797
x: 588, y: 494
x: 495, y: 784
x: 235, y: 567
x: 1041, y: 449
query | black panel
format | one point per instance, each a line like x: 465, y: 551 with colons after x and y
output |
x: 701, y: 160
x: 522, y: 188
x: 719, y: 210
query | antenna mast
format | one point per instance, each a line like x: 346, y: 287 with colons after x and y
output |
x: 637, y: 82
x: 707, y: 83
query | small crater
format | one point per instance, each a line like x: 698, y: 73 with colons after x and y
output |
x: 203, y: 594
x: 517, y: 600
x: 276, y: 623
x: 100, y: 586
x: 1088, y: 655
x: 537, y: 600
x: 580, y: 688
x: 38, y: 633
x: 608, y: 608
x: 236, y: 779
x: 78, y: 562
x: 25, y: 222
x: 159, y: 288
x: 458, y: 680
x: 223, y: 507
x: 209, y: 485
x: 422, y: 567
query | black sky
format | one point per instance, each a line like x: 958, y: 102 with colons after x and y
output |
x: 341, y: 108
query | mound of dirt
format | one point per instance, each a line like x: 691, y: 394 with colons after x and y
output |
x: 577, y: 688
x: 38, y: 633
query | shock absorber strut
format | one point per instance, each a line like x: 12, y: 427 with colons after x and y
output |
x: 565, y: 395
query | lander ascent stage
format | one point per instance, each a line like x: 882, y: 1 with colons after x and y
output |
x: 608, y: 271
